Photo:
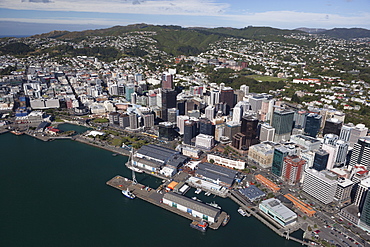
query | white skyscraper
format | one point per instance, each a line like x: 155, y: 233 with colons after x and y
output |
x: 267, y: 133
x: 210, y: 112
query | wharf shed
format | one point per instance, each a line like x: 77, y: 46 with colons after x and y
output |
x: 159, y: 159
x: 194, y: 208
x: 162, y: 155
x: 155, y: 152
x: 216, y: 174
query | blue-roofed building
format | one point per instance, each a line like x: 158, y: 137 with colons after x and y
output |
x: 252, y: 193
x: 216, y: 174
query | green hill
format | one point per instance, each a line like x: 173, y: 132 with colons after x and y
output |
x: 176, y: 40
x: 347, y: 33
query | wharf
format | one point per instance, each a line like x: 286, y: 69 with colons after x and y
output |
x: 154, y: 197
x: 278, y: 229
x: 3, y: 130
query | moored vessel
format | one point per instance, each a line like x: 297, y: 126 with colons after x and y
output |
x: 128, y: 194
x: 199, y: 225
x: 242, y: 212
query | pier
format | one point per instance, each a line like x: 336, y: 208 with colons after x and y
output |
x: 154, y: 197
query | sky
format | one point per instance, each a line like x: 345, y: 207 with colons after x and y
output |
x: 28, y: 17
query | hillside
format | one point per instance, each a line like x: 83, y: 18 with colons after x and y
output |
x: 347, y: 33
x: 176, y: 40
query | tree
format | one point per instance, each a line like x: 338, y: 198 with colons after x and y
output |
x: 211, y: 161
x: 296, y: 99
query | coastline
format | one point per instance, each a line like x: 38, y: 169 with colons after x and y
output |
x: 86, y: 140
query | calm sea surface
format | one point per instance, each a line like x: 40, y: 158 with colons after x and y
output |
x: 54, y: 194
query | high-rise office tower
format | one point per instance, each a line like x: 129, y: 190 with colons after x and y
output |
x: 267, y: 133
x: 357, y: 132
x: 181, y: 123
x: 134, y: 124
x: 181, y: 106
x: 227, y: 96
x: 332, y: 151
x: 282, y: 121
x: 299, y: 119
x: 320, y: 185
x: 345, y: 131
x: 167, y: 131
x: 278, y: 161
x: 172, y: 115
x: 362, y: 200
x: 210, y: 112
x: 214, y: 97
x: 231, y: 129
x: 312, y: 124
x: 361, y: 153
x: 238, y: 141
x: 321, y: 160
x: 129, y: 89
x: 168, y: 101
x: 332, y: 126
x: 190, y: 131
x: 293, y: 168
x: 342, y: 151
x: 249, y: 129
x: 206, y: 127
x: 148, y: 119
x: 167, y: 81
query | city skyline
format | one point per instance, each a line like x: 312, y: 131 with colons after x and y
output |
x: 28, y: 17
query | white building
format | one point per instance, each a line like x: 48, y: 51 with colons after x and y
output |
x: 277, y: 211
x: 192, y: 207
x: 320, y: 185
x: 181, y: 123
x: 226, y: 161
x: 204, y: 141
x: 343, y: 193
x: 267, y: 133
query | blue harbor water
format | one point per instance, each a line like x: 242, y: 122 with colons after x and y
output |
x: 54, y: 194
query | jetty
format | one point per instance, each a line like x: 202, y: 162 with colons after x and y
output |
x: 155, y: 196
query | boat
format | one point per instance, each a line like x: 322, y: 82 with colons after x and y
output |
x: 199, y: 225
x: 242, y: 212
x: 128, y: 194
x: 198, y: 191
x: 207, y: 193
x: 196, y: 199
x: 214, y: 204
x: 226, y: 220
x: 17, y: 132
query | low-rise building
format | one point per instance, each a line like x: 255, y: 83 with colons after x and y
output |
x: 262, y: 154
x: 224, y: 160
x: 193, y: 207
x: 277, y: 211
x: 216, y: 174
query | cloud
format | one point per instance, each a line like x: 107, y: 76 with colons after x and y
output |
x: 164, y: 7
x: 293, y: 19
x: 37, y: 1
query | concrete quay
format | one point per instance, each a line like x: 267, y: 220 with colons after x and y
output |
x: 152, y: 196
x: 278, y: 229
x: 3, y: 130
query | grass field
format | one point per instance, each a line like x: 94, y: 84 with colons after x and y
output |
x: 265, y: 78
